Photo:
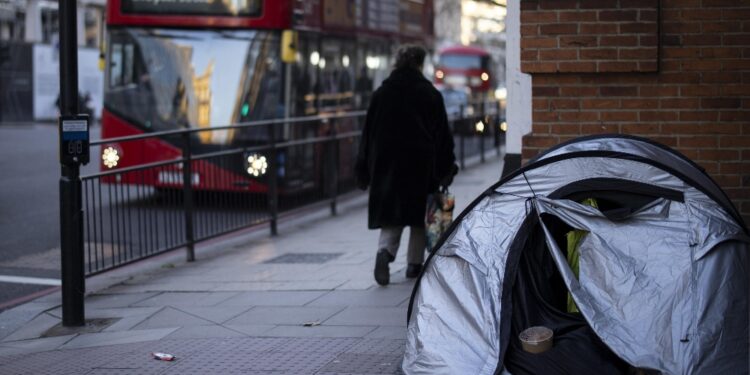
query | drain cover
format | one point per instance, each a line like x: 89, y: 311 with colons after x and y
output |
x: 304, y: 258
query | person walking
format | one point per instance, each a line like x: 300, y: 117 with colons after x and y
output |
x: 405, y: 153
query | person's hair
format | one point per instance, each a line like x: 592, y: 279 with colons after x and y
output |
x: 410, y: 56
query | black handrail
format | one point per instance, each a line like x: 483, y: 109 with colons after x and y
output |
x: 133, y: 219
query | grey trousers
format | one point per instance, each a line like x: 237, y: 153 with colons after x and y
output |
x: 390, y: 237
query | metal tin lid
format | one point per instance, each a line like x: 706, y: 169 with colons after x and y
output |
x: 535, y: 334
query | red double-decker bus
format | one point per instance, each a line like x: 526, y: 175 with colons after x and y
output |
x: 461, y: 67
x: 208, y: 63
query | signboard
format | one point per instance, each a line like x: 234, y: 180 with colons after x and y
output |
x: 412, y: 17
x: 16, y: 83
x: 193, y: 7
x: 343, y: 13
x: 383, y: 15
x: 46, y: 73
x: 74, y: 139
x: 307, y: 14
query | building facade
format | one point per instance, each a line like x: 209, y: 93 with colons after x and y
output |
x: 479, y: 23
x: 675, y: 71
x: 29, y: 64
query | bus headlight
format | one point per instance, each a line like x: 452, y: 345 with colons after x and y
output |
x: 256, y: 165
x: 485, y: 77
x: 439, y: 74
x: 504, y: 126
x: 110, y: 157
x: 479, y: 126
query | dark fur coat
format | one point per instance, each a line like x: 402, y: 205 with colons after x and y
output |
x: 406, y: 149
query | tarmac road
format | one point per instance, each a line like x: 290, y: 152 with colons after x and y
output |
x: 29, y: 208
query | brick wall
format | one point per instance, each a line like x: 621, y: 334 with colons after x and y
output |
x: 677, y: 72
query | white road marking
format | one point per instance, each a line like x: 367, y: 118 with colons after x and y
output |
x: 29, y: 280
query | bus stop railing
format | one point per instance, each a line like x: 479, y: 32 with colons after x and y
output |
x: 135, y: 212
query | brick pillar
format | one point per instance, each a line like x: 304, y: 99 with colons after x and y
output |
x: 677, y: 72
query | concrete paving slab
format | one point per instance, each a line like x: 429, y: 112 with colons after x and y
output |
x: 357, y: 285
x: 246, y: 286
x: 255, y: 363
x: 381, y: 297
x: 104, y: 301
x: 15, y: 318
x: 171, y: 317
x: 309, y: 285
x: 282, y: 269
x: 215, y: 314
x: 122, y: 371
x: 309, y: 275
x: 363, y: 364
x: 353, y: 259
x: 352, y: 274
x: 317, y: 345
x: 45, y: 363
x: 239, y: 275
x: 319, y: 331
x: 256, y: 330
x: 272, y: 298
x: 122, y: 312
x: 363, y: 324
x: 54, y: 298
x: 158, y: 287
x: 388, y: 332
x: 378, y: 346
x: 127, y: 323
x: 113, y: 312
x: 126, y: 318
x: 212, y: 331
x: 112, y: 338
x: 371, y: 316
x: 284, y: 315
x: 33, y: 345
x: 187, y: 299
x: 34, y: 328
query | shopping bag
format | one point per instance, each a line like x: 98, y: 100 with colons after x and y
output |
x: 438, y: 216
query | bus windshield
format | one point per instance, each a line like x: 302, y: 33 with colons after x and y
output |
x: 163, y: 79
x: 460, y: 61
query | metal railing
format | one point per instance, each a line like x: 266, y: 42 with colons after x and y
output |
x: 138, y: 211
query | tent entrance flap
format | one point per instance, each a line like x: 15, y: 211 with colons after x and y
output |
x: 539, y: 297
x: 616, y: 198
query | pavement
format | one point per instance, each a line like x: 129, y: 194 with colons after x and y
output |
x: 303, y: 302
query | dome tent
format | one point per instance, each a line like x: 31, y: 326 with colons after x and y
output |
x: 662, y: 278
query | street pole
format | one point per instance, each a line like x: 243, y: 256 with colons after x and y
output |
x: 71, y: 213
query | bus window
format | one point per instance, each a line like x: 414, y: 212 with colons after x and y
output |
x: 163, y: 79
x: 127, y: 64
x: 464, y: 68
x: 461, y: 61
x: 115, y: 65
x: 121, y: 64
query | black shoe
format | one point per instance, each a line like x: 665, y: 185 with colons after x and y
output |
x: 382, y: 273
x: 413, y: 270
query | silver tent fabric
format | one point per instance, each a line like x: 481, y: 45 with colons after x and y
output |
x: 644, y: 149
x: 667, y: 261
x: 455, y: 328
x: 644, y: 286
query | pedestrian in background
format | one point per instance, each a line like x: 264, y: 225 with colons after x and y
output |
x: 405, y: 153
